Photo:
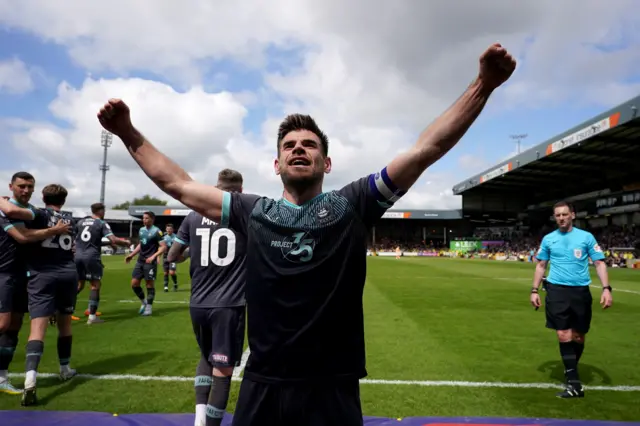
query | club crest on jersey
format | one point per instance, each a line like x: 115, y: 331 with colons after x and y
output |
x: 324, y: 215
x: 577, y: 253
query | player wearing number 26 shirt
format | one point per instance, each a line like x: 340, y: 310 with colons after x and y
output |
x: 51, y: 288
x: 306, y: 254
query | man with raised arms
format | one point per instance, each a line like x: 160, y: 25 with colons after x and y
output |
x: 306, y: 259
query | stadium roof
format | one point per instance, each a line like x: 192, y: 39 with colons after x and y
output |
x: 596, y: 154
x: 109, y: 215
x: 138, y: 211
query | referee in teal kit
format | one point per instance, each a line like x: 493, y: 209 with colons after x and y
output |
x: 568, y: 301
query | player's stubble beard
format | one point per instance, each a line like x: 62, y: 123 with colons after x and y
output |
x: 300, y: 184
x: 22, y: 199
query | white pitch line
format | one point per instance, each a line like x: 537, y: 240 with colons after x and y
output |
x: 243, y: 362
x: 167, y: 302
x: 424, y: 383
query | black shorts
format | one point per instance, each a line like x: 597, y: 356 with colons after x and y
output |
x: 52, y: 292
x: 145, y: 271
x: 220, y: 334
x: 169, y: 266
x: 13, y: 292
x: 568, y: 307
x: 299, y: 404
x: 89, y: 269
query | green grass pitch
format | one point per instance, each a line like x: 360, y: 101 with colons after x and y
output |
x: 426, y: 320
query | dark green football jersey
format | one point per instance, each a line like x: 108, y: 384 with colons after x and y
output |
x: 306, y: 269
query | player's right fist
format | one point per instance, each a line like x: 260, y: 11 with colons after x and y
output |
x: 115, y: 117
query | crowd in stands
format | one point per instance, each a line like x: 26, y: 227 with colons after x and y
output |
x: 619, y: 244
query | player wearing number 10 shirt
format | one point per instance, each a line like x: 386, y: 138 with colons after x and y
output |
x: 217, y: 302
x: 306, y: 254
x: 51, y: 288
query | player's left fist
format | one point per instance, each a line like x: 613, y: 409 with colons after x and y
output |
x: 496, y: 66
x: 115, y: 117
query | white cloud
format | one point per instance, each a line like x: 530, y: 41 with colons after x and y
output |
x: 15, y: 77
x: 373, y: 74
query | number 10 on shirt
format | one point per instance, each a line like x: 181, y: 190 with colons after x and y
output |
x: 210, y: 246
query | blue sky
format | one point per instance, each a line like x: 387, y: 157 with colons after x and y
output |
x: 288, y: 76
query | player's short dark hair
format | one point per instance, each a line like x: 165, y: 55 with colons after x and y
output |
x: 97, y: 207
x: 54, y: 195
x: 151, y: 214
x: 23, y: 176
x: 295, y: 122
x: 230, y: 180
x: 169, y: 225
x: 564, y: 204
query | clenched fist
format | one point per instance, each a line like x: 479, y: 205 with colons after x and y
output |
x: 496, y: 66
x: 115, y: 117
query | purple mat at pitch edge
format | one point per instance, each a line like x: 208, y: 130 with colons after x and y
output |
x: 80, y: 418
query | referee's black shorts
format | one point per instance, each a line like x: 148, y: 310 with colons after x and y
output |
x: 568, y: 307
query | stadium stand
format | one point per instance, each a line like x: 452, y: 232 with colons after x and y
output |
x: 593, y: 165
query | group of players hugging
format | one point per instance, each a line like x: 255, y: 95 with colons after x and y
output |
x: 45, y: 259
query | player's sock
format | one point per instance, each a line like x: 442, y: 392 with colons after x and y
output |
x: 34, y: 350
x: 568, y: 354
x: 218, y: 399
x: 94, y: 301
x: 8, y: 343
x: 202, y: 387
x: 166, y: 281
x: 578, y: 348
x: 64, y: 350
x: 151, y: 295
x: 139, y: 292
x: 174, y: 278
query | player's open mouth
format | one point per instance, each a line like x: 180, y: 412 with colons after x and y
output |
x: 299, y: 161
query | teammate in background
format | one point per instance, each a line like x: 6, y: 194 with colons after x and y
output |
x: 398, y: 252
x: 217, y: 302
x: 13, y: 272
x: 151, y: 246
x: 169, y: 267
x: 89, y: 234
x: 568, y: 302
x: 52, y: 288
x: 306, y: 261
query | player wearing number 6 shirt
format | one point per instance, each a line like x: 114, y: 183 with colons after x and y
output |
x: 52, y: 288
x: 89, y: 234
x: 306, y: 255
x: 217, y: 302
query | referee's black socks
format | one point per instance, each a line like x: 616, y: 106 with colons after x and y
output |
x: 579, y: 348
x: 570, y: 360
